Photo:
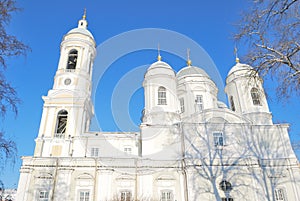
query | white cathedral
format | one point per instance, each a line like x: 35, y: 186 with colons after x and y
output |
x: 190, y: 147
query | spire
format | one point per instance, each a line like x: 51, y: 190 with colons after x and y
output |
x: 83, y: 23
x: 189, y: 61
x: 237, y: 60
x: 84, y: 14
x: 158, y: 51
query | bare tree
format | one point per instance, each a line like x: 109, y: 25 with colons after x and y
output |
x: 243, y: 158
x: 10, y: 46
x: 215, y: 164
x: 8, y: 151
x: 271, y: 28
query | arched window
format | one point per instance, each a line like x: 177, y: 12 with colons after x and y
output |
x: 232, y: 103
x: 162, y: 96
x: 61, y: 125
x: 72, y: 59
x: 255, y: 96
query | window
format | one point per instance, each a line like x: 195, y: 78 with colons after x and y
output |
x: 162, y: 96
x: 125, y: 195
x: 72, y: 60
x: 279, y: 194
x: 232, y: 103
x: 61, y: 124
x: 199, y: 102
x: 43, y: 195
x: 94, y: 152
x: 218, y: 139
x: 84, y: 195
x: 166, y: 195
x: 127, y: 150
x: 255, y: 96
x: 181, y: 100
x: 225, y: 186
x: 227, y: 199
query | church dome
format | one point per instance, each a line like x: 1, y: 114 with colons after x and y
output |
x: 160, y: 64
x: 160, y: 68
x: 191, y: 71
x: 240, y: 69
x: 80, y: 30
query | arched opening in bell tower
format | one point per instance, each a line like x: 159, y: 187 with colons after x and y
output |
x: 72, y: 59
x: 61, y: 125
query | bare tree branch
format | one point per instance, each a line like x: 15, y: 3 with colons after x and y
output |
x: 271, y: 29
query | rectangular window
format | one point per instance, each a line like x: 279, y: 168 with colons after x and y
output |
x: 94, y: 152
x: 181, y: 100
x: 199, y: 102
x: 227, y: 199
x: 162, y: 96
x: 84, y: 195
x: 127, y: 150
x: 166, y: 195
x: 43, y: 195
x: 255, y: 96
x: 125, y: 195
x: 232, y: 103
x: 218, y: 139
x: 279, y: 194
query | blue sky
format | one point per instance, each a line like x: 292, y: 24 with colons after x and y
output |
x: 42, y: 25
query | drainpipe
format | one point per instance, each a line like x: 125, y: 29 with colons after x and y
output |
x: 54, y: 181
x: 183, y: 165
x: 95, y: 179
x: 136, y: 182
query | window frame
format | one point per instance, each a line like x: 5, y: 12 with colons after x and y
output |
x: 218, y: 139
x: 279, y: 194
x: 127, y: 193
x: 43, y: 195
x: 232, y: 105
x: 84, y: 195
x: 199, y: 102
x: 94, y: 151
x: 127, y: 150
x: 161, y: 96
x: 73, y: 54
x: 61, y: 120
x: 255, y: 96
x: 227, y: 199
x: 166, y: 195
x: 181, y: 102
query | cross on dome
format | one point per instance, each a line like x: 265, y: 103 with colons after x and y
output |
x: 84, y: 14
x: 237, y: 60
x: 158, y: 56
x: 189, y: 61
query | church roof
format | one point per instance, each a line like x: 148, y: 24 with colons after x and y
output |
x: 240, y: 68
x: 81, y: 30
x: 160, y: 64
x: 191, y: 70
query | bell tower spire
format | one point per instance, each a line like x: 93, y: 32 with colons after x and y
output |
x: 83, y: 22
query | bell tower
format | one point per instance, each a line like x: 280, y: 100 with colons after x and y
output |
x: 246, y: 95
x: 68, y: 108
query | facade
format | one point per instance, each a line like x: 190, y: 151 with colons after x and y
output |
x: 190, y: 146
